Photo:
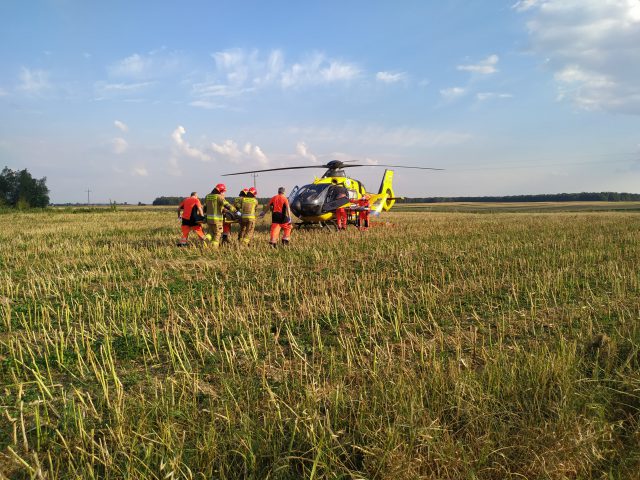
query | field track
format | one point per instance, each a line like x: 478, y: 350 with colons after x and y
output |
x: 437, y: 345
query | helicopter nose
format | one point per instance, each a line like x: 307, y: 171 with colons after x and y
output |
x: 310, y: 208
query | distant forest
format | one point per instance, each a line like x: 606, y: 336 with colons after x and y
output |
x: 543, y: 197
x: 168, y: 201
x: 175, y: 201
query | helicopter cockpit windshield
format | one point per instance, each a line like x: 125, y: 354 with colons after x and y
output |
x: 316, y: 199
x: 313, y: 193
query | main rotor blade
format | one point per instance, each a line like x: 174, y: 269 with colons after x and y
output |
x: 392, y: 166
x: 273, y: 170
x: 327, y: 166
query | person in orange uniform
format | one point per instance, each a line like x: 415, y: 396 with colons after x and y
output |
x: 280, y: 218
x: 363, y: 212
x: 191, y: 208
x: 341, y: 213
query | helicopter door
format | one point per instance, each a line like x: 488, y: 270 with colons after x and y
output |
x: 293, y: 194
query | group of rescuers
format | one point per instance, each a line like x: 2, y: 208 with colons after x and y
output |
x: 244, y: 207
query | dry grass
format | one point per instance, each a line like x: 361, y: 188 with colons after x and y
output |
x: 441, y: 345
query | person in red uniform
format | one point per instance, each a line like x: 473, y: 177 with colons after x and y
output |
x: 363, y: 212
x: 280, y: 218
x: 341, y: 213
x: 191, y: 208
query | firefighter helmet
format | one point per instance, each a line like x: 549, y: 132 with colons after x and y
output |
x: 221, y: 187
x: 253, y: 191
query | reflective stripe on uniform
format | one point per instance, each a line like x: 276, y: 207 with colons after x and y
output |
x: 248, y: 208
x: 214, y: 207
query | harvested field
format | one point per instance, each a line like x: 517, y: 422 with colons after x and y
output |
x: 435, y: 345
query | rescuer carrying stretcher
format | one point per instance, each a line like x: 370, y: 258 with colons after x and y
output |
x: 247, y: 207
x: 230, y: 217
x: 215, y: 207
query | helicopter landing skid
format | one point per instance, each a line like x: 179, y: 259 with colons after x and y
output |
x: 322, y: 225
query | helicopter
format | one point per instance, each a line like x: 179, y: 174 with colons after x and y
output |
x: 316, y: 203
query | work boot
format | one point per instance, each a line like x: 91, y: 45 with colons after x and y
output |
x: 225, y: 239
x: 285, y: 241
x: 273, y: 245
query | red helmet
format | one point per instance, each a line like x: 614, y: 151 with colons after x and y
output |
x: 221, y: 187
x: 253, y: 191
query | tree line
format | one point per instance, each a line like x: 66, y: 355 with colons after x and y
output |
x: 175, y: 201
x: 19, y: 189
x: 543, y: 197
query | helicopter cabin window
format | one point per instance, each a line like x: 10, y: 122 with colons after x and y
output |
x: 311, y: 192
x: 337, y: 192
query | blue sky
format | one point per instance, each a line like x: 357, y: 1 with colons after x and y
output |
x: 139, y: 99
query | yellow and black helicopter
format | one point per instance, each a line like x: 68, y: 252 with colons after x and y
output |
x: 317, y: 202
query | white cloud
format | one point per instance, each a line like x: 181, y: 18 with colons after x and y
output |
x: 238, y: 72
x: 303, y: 151
x: 375, y: 135
x: 338, y: 71
x: 574, y: 82
x: 482, y: 96
x: 255, y: 152
x: 121, y: 126
x: 230, y: 150
x: 484, y: 67
x: 145, y: 66
x: 318, y: 70
x: 184, y: 148
x: 139, y: 172
x: 119, y: 145
x: 409, y: 137
x: 33, y: 81
x: 125, y: 86
x: 523, y: 5
x: 391, y: 77
x: 133, y: 66
x: 3, y: 92
x: 274, y: 65
x: 207, y: 90
x: 593, y: 47
x: 453, y: 92
x: 103, y: 88
x: 206, y: 104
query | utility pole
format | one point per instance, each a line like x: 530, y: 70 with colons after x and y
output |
x: 254, y: 175
x: 88, y: 197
